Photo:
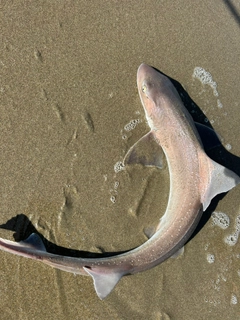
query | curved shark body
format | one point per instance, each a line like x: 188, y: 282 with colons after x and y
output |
x: 194, y: 180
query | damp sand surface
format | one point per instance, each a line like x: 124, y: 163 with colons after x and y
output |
x: 69, y: 113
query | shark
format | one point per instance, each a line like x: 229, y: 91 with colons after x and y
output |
x: 195, y: 179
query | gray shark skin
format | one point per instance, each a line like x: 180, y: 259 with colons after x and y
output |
x: 195, y: 180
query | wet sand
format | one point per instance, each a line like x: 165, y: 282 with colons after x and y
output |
x: 68, y: 89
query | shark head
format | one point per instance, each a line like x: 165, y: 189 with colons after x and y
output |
x: 155, y: 91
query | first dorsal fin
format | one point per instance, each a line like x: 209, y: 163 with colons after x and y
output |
x: 103, y: 282
x: 221, y: 180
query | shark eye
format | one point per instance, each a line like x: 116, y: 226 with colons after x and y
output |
x: 144, y: 88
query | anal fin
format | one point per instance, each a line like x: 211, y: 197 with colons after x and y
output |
x: 103, y: 282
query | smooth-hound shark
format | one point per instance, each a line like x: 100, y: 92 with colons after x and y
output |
x: 195, y: 180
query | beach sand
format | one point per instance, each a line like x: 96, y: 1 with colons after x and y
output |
x: 68, y: 90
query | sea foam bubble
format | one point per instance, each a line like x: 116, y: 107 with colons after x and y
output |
x: 220, y: 219
x: 206, y: 78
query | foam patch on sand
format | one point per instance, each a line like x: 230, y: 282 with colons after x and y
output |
x: 206, y: 78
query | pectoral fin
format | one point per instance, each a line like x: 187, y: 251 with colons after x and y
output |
x: 103, y: 282
x: 146, y: 151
